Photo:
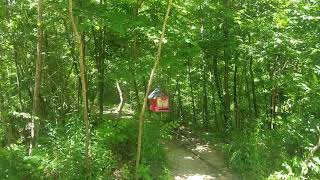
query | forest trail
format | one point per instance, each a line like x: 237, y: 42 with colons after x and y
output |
x: 196, y: 161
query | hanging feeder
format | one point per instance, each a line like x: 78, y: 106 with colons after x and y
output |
x: 158, y: 101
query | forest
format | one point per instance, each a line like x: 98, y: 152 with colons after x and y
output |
x: 241, y: 77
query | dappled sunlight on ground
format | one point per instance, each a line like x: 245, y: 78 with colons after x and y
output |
x: 194, y: 177
x: 190, y: 159
x: 202, y: 148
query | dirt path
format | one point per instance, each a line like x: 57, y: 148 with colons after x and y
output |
x: 196, y: 162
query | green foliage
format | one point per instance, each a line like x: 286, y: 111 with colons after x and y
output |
x: 256, y: 153
x: 247, y: 154
x: 60, y: 153
x: 15, y: 165
x: 259, y: 57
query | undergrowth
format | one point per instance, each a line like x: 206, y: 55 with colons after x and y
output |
x: 59, y: 153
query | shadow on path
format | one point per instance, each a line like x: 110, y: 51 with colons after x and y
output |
x: 197, y: 162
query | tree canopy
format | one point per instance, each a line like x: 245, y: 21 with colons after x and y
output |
x: 245, y: 74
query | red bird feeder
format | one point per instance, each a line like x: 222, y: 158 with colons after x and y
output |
x: 158, y: 101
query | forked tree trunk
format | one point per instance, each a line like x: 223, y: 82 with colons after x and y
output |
x: 152, y: 75
x: 121, y: 104
x: 84, y: 89
x: 36, y: 92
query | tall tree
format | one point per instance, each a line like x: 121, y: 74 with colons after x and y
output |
x: 36, y: 92
x: 152, y: 76
x: 80, y: 42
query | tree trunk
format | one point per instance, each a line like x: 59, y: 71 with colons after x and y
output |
x: 192, y: 93
x: 134, y: 56
x: 249, y: 98
x: 36, y: 92
x: 152, y: 75
x: 99, y: 44
x: 78, y: 37
x: 180, y: 106
x: 218, y: 86
x: 15, y: 55
x: 205, y: 97
x: 227, y: 57
x: 253, y: 87
x: 17, y: 76
x: 136, y: 91
x: 273, y: 106
x: 235, y: 97
x: 121, y: 104
x: 214, y: 105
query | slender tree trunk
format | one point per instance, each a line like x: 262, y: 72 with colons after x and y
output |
x: 152, y: 76
x: 218, y: 86
x: 136, y: 90
x: 235, y: 96
x: 36, y: 92
x: 214, y: 105
x: 134, y: 55
x: 273, y: 106
x: 99, y: 56
x: 240, y: 78
x: 273, y: 94
x: 15, y: 55
x: 249, y: 98
x: 17, y: 76
x: 192, y: 94
x: 78, y: 37
x: 75, y: 64
x: 205, y: 97
x: 181, y: 111
x: 253, y: 86
x: 121, y: 104
x: 226, y: 93
x: 101, y: 89
x: 227, y: 57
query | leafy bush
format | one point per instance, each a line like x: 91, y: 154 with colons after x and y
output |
x: 247, y: 154
x: 256, y: 152
x: 60, y: 154
x: 15, y: 165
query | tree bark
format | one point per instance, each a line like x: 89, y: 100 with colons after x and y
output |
x: 273, y: 106
x: 227, y: 58
x: 121, y: 104
x: 218, y: 86
x: 235, y: 96
x: 17, y: 76
x: 36, y: 92
x: 134, y: 55
x: 192, y: 93
x: 253, y: 86
x: 152, y: 76
x: 205, y: 97
x: 99, y: 56
x: 78, y: 37
x: 181, y: 111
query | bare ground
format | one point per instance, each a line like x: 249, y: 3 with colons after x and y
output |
x: 196, y: 161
